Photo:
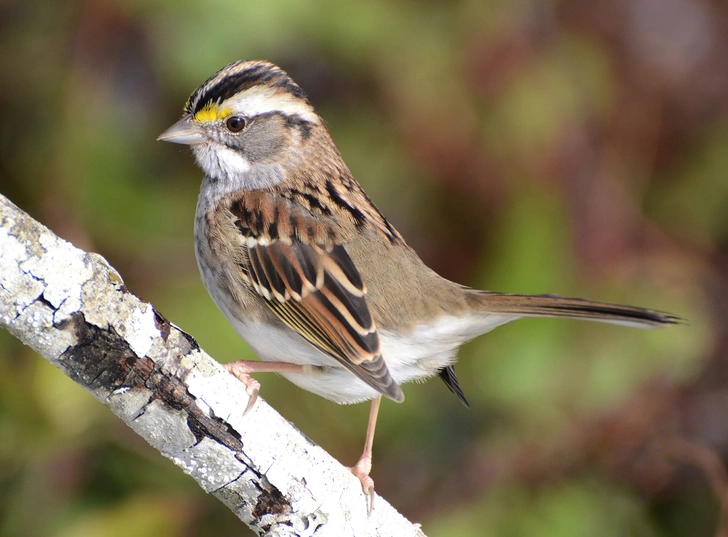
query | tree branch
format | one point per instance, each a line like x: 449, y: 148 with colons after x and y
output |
x: 74, y: 309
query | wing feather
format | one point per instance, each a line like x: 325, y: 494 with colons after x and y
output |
x: 310, y: 282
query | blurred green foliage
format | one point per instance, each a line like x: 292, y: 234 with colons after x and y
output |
x: 566, y: 147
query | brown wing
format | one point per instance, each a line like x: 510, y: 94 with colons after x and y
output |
x: 296, y: 263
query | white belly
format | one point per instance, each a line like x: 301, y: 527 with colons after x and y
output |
x: 417, y: 356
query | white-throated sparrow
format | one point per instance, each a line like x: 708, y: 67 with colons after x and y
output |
x: 310, y: 273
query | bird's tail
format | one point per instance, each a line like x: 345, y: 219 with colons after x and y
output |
x: 573, y: 308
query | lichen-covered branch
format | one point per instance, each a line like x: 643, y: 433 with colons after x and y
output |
x: 73, y: 308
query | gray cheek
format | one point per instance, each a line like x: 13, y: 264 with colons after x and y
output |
x: 262, y: 141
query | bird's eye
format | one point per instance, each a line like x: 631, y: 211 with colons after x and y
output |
x: 235, y: 123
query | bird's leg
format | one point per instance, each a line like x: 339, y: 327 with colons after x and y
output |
x: 242, y: 369
x: 364, y: 465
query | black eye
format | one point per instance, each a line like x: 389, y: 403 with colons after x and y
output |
x: 235, y: 123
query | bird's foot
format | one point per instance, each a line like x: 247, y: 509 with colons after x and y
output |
x: 361, y: 470
x: 241, y: 370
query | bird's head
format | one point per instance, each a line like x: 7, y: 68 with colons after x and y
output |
x: 248, y: 117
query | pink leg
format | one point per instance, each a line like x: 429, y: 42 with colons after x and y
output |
x: 364, y: 465
x: 242, y: 369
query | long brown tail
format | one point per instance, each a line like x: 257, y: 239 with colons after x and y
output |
x: 574, y: 308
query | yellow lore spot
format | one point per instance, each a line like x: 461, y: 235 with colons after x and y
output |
x: 212, y: 112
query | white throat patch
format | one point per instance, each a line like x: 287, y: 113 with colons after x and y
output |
x: 221, y: 162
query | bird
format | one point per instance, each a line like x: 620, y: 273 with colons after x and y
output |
x: 311, y: 274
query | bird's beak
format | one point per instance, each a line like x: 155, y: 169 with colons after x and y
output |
x: 183, y: 132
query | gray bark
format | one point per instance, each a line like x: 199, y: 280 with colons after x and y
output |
x: 72, y: 308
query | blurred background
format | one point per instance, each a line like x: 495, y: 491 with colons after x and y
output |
x: 578, y: 148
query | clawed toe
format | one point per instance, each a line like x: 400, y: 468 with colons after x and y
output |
x: 252, y: 386
x: 361, y: 471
